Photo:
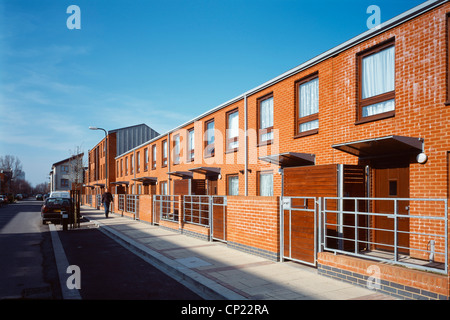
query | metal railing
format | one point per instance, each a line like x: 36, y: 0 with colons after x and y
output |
x: 166, y: 207
x: 132, y: 204
x: 197, y: 209
x: 121, y: 203
x: 408, y: 232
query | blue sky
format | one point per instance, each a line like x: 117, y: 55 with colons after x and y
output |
x: 156, y: 62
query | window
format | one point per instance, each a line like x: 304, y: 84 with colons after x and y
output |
x: 154, y: 157
x: 131, y: 164
x: 209, y: 148
x: 176, y: 149
x: 138, y: 162
x: 65, y: 169
x: 377, y: 83
x: 190, y: 146
x: 145, y: 159
x: 233, y: 185
x: 64, y: 182
x: 121, y: 167
x: 163, y: 188
x: 126, y: 166
x: 232, y: 130
x: 266, y: 184
x: 308, y: 106
x: 266, y: 119
x: 164, y: 153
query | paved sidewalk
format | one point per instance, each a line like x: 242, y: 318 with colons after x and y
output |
x: 217, y: 272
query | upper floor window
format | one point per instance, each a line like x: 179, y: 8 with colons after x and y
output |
x: 191, y: 145
x: 232, y: 130
x: 145, y: 159
x: 176, y: 149
x: 131, y: 164
x: 209, y: 143
x: 377, y: 83
x: 308, y: 106
x: 138, y: 161
x: 164, y: 153
x: 266, y: 119
x: 154, y: 156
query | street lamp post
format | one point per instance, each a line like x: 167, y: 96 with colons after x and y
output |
x: 106, y: 153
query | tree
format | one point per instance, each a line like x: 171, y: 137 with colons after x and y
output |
x: 11, y: 164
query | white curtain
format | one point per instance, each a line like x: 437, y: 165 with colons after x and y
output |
x: 266, y: 118
x: 309, y: 98
x: 309, y: 103
x: 266, y: 185
x: 233, y: 129
x: 191, y: 140
x: 233, y: 186
x: 210, y: 133
x: 378, y: 77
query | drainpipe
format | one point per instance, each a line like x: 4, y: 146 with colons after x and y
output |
x: 340, y: 206
x: 246, y: 143
x: 169, y: 179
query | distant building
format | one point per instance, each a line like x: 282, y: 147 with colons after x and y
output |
x: 67, y: 172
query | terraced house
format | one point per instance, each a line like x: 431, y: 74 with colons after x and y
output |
x: 341, y: 163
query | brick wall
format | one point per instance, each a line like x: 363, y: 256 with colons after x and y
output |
x: 253, y: 225
x: 393, y: 280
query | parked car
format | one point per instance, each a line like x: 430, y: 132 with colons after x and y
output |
x: 59, y: 194
x: 3, y: 200
x: 19, y: 196
x: 52, y: 208
x: 39, y: 197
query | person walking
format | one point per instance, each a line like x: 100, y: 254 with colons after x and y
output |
x: 107, y: 198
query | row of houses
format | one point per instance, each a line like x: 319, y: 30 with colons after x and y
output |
x: 341, y: 163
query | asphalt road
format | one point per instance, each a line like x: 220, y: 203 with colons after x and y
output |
x: 108, y: 271
x: 26, y: 255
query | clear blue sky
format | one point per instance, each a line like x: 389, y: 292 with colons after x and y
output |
x: 156, y: 62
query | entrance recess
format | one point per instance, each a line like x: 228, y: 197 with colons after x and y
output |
x: 392, y: 181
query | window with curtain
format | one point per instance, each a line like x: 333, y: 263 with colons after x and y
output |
x: 176, y: 149
x: 131, y: 164
x: 138, y: 161
x: 377, y: 82
x: 233, y: 185
x: 266, y: 184
x: 209, y: 149
x: 308, y: 101
x: 164, y: 153
x: 266, y: 119
x: 233, y: 131
x: 154, y: 156
x: 145, y: 159
x: 191, y: 144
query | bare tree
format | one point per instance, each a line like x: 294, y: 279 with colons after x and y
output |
x: 13, y: 164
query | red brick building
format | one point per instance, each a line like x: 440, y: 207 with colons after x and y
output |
x: 343, y: 158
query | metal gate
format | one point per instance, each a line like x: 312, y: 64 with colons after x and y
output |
x: 299, y: 229
x: 166, y: 207
x: 218, y: 227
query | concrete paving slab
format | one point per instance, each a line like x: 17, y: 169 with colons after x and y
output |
x: 224, y: 273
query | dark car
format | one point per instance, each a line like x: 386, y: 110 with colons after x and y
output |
x: 52, y: 208
x: 39, y: 197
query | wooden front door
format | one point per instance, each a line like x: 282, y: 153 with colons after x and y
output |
x: 391, y: 181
